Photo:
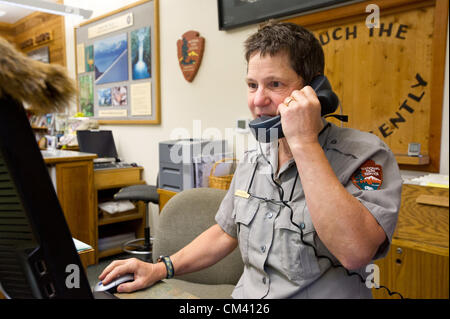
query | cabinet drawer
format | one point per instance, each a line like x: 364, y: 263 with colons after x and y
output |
x: 413, y: 273
x: 119, y: 177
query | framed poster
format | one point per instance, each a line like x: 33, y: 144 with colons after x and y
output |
x: 41, y: 54
x: 117, y: 65
x: 237, y: 13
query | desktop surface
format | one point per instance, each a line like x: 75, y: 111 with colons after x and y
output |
x: 54, y: 156
x: 160, y: 290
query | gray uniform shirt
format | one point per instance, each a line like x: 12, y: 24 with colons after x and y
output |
x: 278, y: 259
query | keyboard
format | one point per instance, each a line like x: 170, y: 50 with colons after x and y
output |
x: 99, y: 166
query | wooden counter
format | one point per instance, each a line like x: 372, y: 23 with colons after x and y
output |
x: 72, y: 174
x: 61, y: 156
x: 417, y: 264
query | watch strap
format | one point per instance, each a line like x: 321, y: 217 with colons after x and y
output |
x: 169, y: 266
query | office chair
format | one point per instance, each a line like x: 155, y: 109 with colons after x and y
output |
x: 185, y: 216
x: 147, y: 194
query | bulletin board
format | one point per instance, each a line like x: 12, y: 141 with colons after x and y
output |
x: 117, y: 65
x: 390, y: 80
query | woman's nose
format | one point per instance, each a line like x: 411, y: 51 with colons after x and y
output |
x: 261, y: 98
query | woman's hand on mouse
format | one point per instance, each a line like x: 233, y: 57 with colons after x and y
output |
x: 145, y: 274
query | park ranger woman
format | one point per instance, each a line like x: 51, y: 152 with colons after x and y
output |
x: 306, y: 210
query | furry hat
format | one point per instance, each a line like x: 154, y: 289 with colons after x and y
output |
x: 45, y: 87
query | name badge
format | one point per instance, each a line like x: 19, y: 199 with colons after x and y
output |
x: 242, y: 194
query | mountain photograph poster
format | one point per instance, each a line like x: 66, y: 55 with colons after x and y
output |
x: 111, y: 59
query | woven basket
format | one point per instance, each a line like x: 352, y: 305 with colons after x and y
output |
x: 220, y: 182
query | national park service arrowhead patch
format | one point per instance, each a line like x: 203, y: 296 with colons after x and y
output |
x: 369, y: 176
x: 190, y: 53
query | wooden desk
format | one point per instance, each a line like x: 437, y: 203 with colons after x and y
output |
x: 79, y: 190
x: 72, y: 174
x: 164, y: 197
x: 417, y: 264
x: 107, y: 182
x: 87, y: 257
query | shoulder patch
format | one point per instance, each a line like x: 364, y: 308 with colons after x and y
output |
x: 369, y: 176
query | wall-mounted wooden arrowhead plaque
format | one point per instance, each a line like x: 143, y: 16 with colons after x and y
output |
x: 190, y: 53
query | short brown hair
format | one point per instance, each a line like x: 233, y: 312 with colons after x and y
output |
x: 304, y: 50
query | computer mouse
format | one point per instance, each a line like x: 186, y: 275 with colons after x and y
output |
x: 112, y: 286
x: 134, y: 164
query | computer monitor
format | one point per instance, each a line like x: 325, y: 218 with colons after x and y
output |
x: 38, y: 258
x: 97, y: 142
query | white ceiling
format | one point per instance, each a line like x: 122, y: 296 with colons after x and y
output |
x: 13, y: 13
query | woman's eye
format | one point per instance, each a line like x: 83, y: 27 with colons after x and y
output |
x: 276, y: 84
x: 252, y: 85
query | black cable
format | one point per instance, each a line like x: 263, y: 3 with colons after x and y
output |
x: 285, y: 203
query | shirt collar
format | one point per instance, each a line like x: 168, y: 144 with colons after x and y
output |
x: 270, y: 150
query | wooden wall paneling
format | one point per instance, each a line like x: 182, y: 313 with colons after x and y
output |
x: 390, y: 79
x: 38, y: 23
x: 6, y: 31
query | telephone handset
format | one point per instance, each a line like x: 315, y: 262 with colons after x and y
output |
x: 267, y: 128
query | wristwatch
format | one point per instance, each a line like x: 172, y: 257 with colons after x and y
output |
x: 169, y: 266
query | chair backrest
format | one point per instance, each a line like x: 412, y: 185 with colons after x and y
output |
x: 183, y: 218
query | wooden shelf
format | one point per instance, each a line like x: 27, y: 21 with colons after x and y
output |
x: 71, y: 148
x: 110, y: 252
x: 107, y: 182
x: 40, y: 128
x: 121, y: 217
x: 412, y: 160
